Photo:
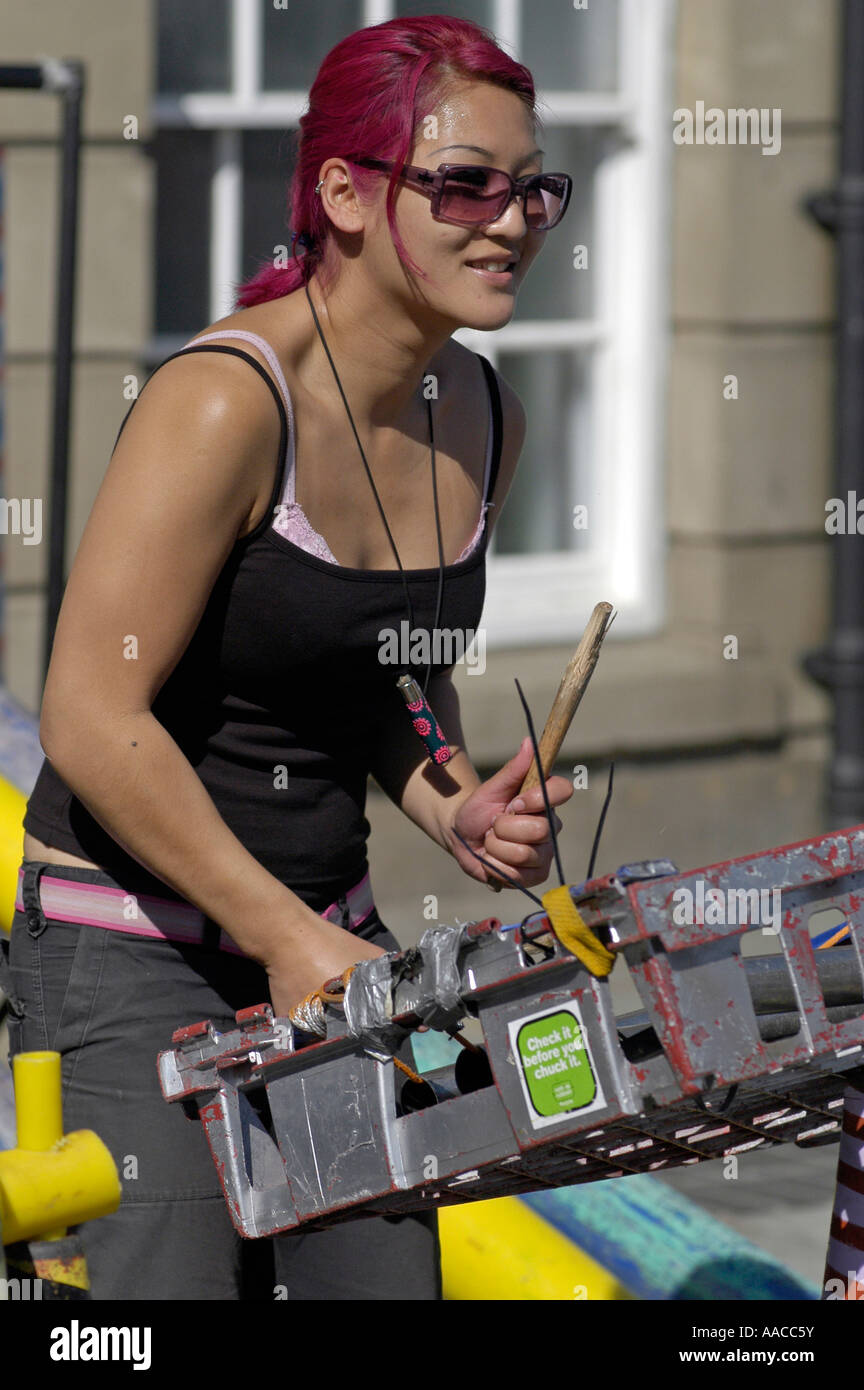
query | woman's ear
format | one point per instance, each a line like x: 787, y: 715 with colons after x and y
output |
x: 339, y: 196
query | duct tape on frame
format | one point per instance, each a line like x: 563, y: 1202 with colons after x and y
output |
x: 556, y: 1069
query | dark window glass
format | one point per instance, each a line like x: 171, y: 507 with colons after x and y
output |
x: 569, y: 49
x: 193, y: 46
x: 554, y: 471
x: 183, y: 171
x: 554, y: 287
x: 268, y: 162
x: 480, y: 11
x: 295, y: 39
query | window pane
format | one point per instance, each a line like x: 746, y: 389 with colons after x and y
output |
x: 268, y: 162
x: 554, y: 288
x: 183, y: 170
x: 480, y: 11
x: 554, y: 471
x: 296, y: 38
x: 569, y: 49
x: 193, y: 46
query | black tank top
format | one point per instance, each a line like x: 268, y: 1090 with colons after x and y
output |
x: 279, y: 698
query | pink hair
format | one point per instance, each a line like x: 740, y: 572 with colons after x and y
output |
x: 370, y: 98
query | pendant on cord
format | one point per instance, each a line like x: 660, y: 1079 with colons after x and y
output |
x: 424, y: 721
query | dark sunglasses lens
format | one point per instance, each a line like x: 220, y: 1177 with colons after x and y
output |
x: 474, y: 196
x: 545, y: 202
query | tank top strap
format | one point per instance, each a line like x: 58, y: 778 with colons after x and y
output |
x: 287, y: 494
x: 234, y: 352
x: 286, y: 435
x: 496, y: 432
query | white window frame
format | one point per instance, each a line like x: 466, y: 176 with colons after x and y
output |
x: 537, y: 598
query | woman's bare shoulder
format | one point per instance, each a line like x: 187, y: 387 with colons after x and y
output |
x: 469, y: 392
x: 271, y: 325
x: 463, y: 369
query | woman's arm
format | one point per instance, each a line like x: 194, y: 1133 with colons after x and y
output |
x: 429, y: 795
x: 182, y: 483
x: 433, y: 797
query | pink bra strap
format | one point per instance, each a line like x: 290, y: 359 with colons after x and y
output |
x: 273, y: 360
x: 269, y: 354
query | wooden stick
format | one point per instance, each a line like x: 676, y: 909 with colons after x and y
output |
x: 579, y: 670
x: 573, y: 685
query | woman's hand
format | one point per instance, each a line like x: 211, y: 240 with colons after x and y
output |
x: 516, y: 839
x: 315, y: 951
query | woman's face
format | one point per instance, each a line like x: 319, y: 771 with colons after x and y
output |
x: 477, y: 124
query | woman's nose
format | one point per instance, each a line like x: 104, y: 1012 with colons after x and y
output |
x: 512, y: 221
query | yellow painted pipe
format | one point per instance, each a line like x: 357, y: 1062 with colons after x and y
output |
x: 40, y: 1193
x: 12, y: 807
x: 38, y: 1104
x: 50, y: 1180
x: 500, y: 1250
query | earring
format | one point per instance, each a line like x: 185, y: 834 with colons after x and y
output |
x: 319, y: 186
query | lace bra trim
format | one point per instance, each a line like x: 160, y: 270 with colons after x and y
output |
x: 290, y: 520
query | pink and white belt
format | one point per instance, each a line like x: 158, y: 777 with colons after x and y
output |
x: 91, y: 904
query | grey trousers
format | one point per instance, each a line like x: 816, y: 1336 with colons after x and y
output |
x: 108, y: 1003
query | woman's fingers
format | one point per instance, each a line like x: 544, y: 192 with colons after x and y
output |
x: 523, y: 829
x: 519, y: 843
x: 558, y: 788
x: 520, y: 858
x: 523, y: 843
x: 511, y: 851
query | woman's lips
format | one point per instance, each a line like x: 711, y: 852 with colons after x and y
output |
x: 495, y: 277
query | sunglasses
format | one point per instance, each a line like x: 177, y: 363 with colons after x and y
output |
x: 472, y: 195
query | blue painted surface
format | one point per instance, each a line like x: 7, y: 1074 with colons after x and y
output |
x: 20, y: 751
x: 662, y: 1246
x: 8, y: 1129
x: 835, y: 934
x: 433, y: 1050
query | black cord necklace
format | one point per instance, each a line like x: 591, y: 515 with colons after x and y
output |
x: 424, y: 721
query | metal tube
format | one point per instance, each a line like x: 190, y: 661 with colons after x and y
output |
x: 771, y: 987
x: 774, y: 1001
x: 21, y: 75
x: 68, y: 78
x: 3, y: 609
x: 840, y: 665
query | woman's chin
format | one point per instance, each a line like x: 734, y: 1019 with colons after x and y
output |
x: 486, y: 318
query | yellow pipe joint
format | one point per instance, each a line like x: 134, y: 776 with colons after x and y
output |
x: 51, y: 1180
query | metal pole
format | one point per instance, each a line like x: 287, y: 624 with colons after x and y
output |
x: 67, y: 78
x: 2, y: 420
x: 19, y: 75
x: 839, y: 666
x: 22, y: 75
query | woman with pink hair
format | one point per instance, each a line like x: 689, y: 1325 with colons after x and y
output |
x: 218, y: 693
